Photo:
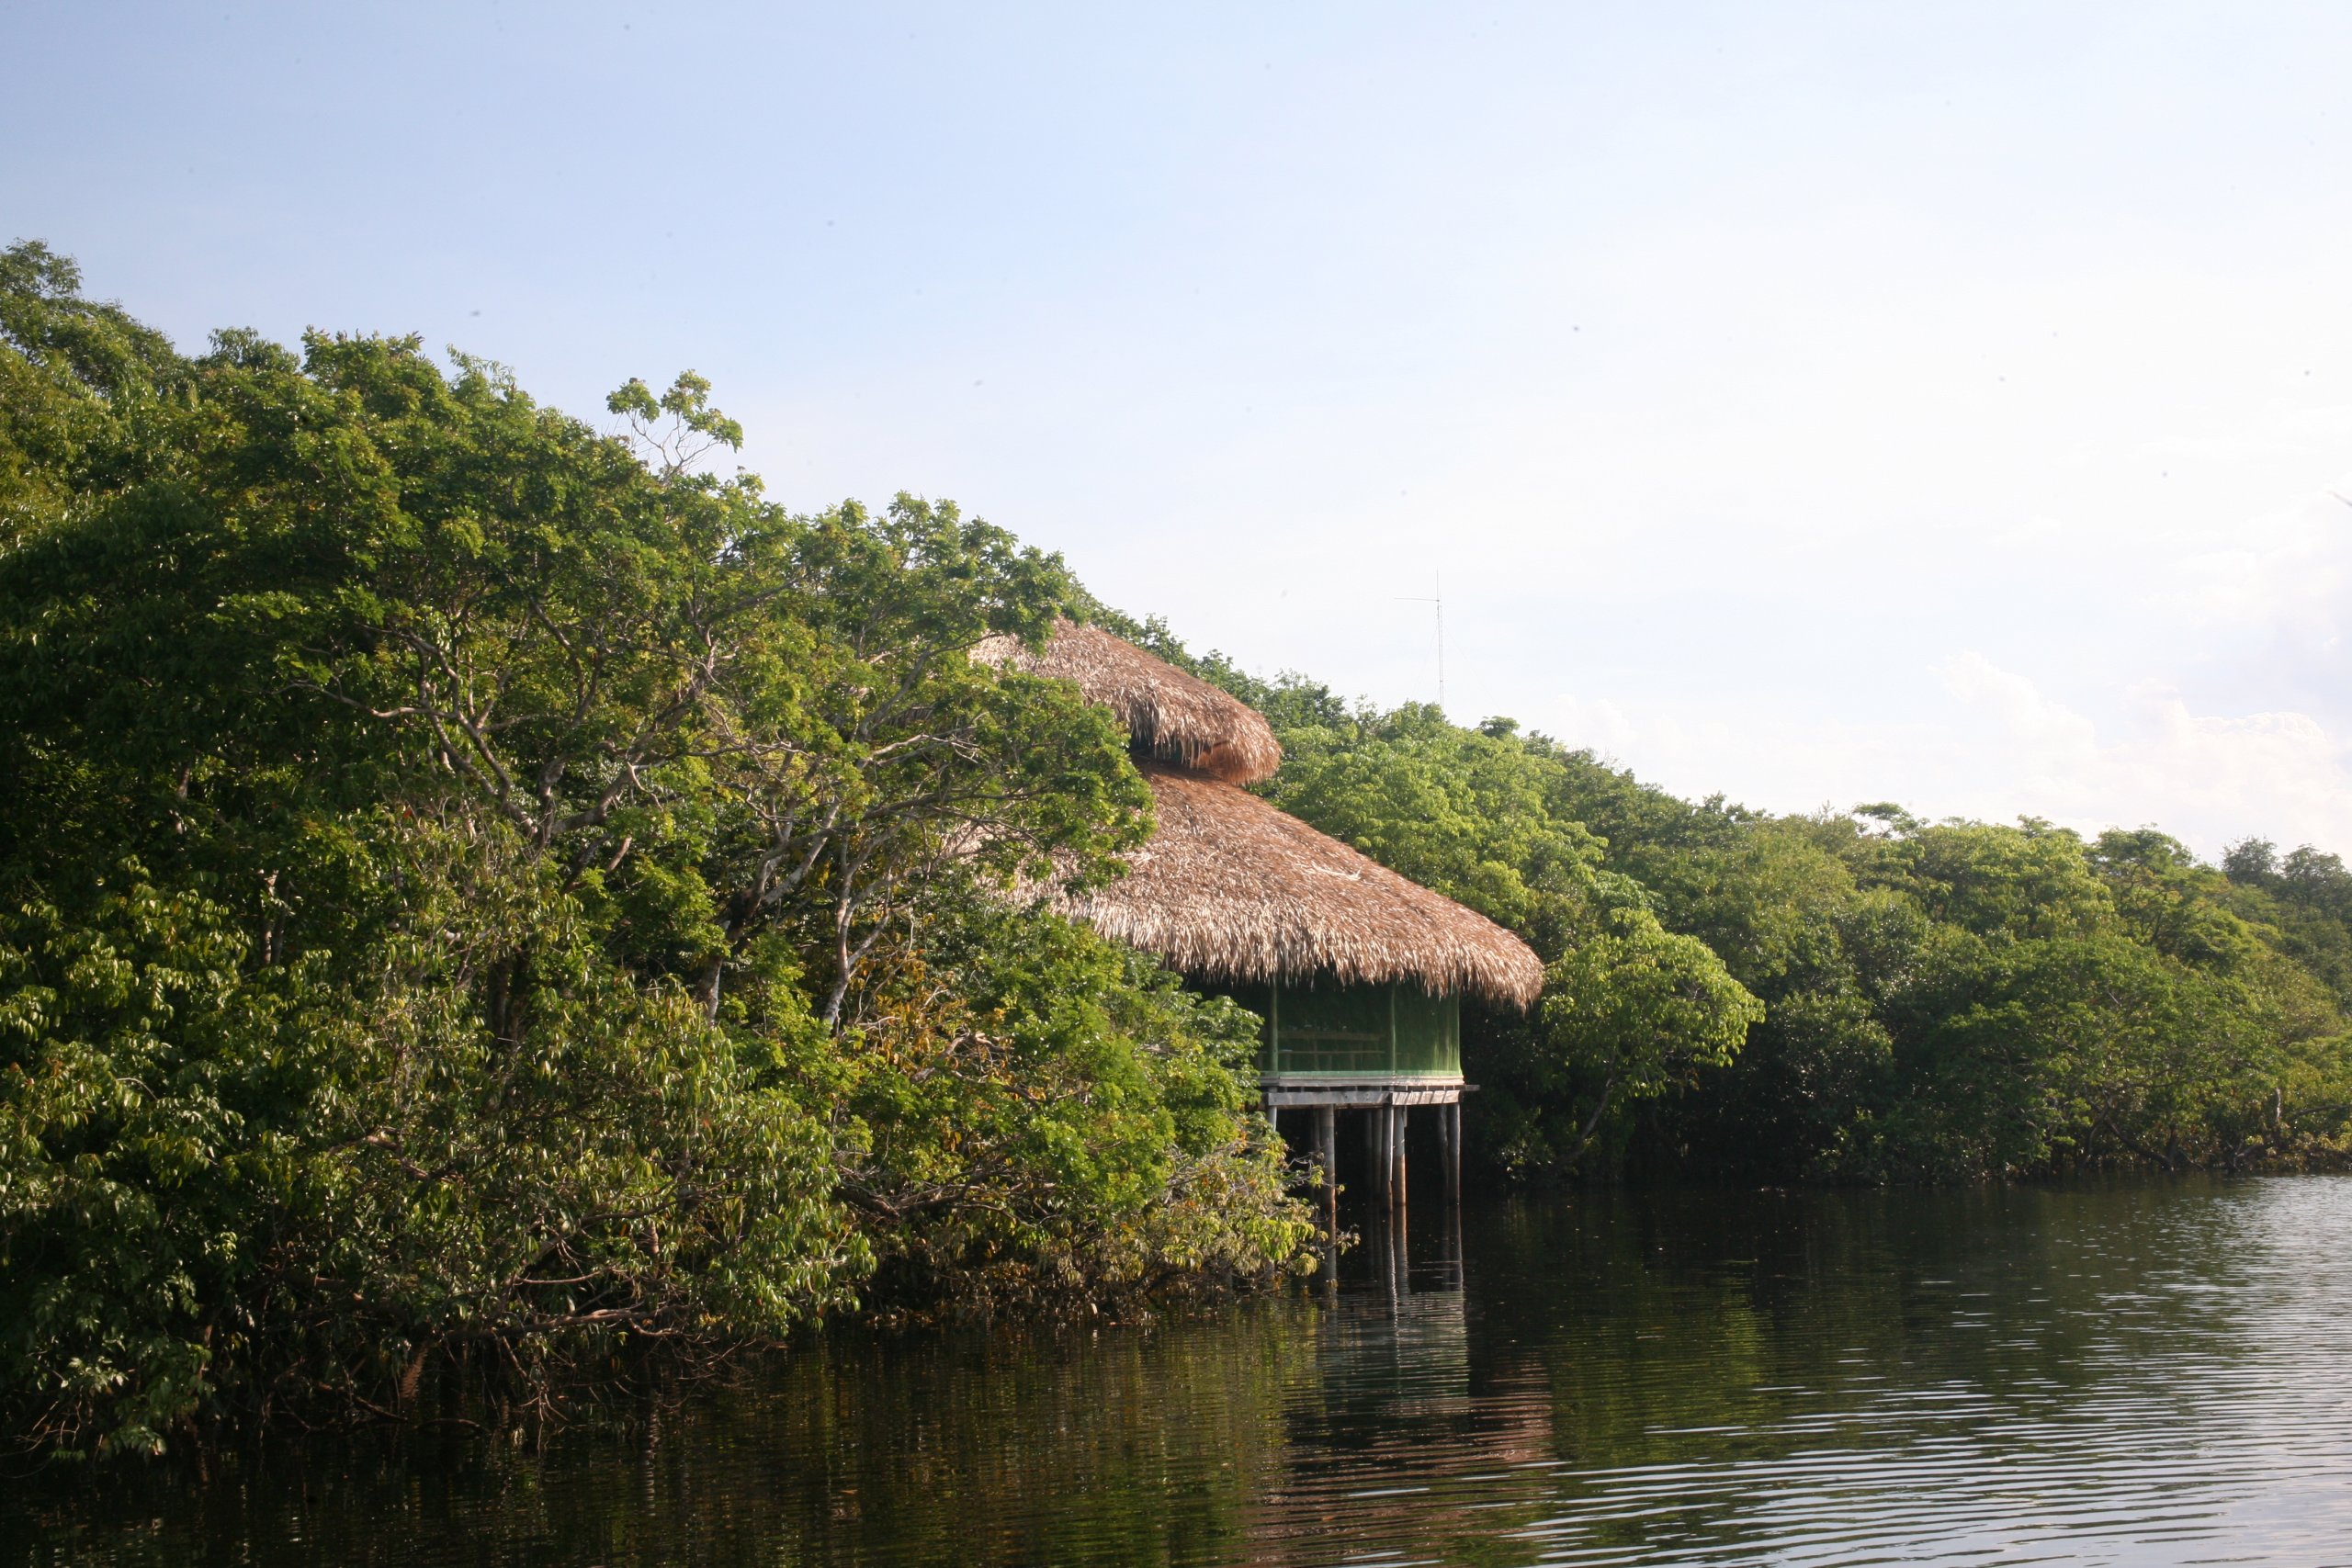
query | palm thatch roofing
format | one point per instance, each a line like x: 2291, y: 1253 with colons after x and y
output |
x: 1231, y: 890
x: 1173, y: 716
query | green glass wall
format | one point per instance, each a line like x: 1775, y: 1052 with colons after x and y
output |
x: 1356, y: 1032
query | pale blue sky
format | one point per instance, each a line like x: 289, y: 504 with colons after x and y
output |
x: 1816, y: 404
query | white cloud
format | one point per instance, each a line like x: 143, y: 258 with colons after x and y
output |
x: 2281, y: 774
x: 1989, y: 742
x: 2208, y: 778
x: 2288, y: 574
x: 2052, y: 733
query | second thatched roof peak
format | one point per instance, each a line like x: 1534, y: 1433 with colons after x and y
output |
x: 1173, y: 716
x: 1230, y: 888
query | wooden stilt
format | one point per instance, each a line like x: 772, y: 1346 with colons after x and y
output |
x: 1375, y: 1152
x: 1454, y: 1157
x: 1327, y: 1155
x: 1400, y: 1267
x: 1449, y: 1127
x: 1396, y: 1133
x: 1445, y: 1147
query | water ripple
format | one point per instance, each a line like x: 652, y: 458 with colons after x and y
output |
x: 2176, y: 1386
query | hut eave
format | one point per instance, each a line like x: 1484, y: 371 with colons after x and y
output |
x: 1231, y: 889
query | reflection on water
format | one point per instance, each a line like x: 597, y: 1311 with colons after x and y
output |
x: 2133, y: 1375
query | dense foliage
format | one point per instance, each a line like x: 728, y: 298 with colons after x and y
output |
x: 1856, y: 997
x: 472, y: 886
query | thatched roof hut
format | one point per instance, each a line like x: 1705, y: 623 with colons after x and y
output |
x: 1175, y: 717
x: 1232, y: 890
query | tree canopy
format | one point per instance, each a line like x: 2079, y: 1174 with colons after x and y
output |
x: 473, y: 886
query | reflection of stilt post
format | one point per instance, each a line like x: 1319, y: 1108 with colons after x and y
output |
x: 1452, y: 1251
x: 1327, y: 1155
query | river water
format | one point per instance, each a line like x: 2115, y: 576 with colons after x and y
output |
x: 2141, y: 1373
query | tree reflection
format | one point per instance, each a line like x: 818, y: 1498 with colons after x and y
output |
x: 1727, y: 1378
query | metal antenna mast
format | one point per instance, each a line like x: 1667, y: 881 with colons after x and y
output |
x: 1438, y: 600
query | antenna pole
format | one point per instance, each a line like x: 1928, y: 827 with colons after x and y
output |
x: 1441, y: 639
x: 1439, y: 601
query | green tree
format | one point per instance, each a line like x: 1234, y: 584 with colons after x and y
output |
x: 1631, y: 1012
x: 507, y: 858
x: 1938, y: 1001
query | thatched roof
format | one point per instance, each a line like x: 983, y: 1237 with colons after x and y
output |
x: 1173, y: 716
x: 1231, y: 889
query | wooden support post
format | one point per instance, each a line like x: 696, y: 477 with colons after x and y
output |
x: 1445, y: 1147
x: 1375, y: 1152
x: 1397, y: 1152
x: 1327, y: 1155
x: 1454, y: 1157
x: 1449, y: 1128
x: 1400, y: 1267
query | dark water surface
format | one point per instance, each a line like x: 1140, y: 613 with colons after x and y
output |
x: 2129, y: 1374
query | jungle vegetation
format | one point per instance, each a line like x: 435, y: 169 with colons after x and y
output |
x: 1847, y: 995
x: 482, y: 889
x: 476, y: 887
